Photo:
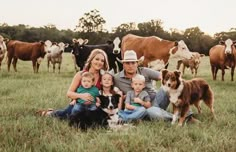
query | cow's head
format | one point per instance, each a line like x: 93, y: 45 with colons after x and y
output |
x: 229, y: 46
x: 197, y: 58
x: 78, y: 45
x: 117, y: 45
x: 45, y: 47
x: 180, y: 50
x: 62, y: 46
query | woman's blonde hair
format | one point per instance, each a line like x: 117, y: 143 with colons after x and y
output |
x: 91, y: 57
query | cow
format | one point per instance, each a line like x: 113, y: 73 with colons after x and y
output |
x: 192, y: 63
x: 55, y: 55
x: 222, y: 56
x: 26, y: 51
x: 3, y: 49
x: 153, y: 48
x: 81, y: 52
x: 156, y: 65
x: 76, y: 67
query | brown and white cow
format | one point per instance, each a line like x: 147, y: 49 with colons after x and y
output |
x: 222, y: 56
x: 192, y: 63
x: 55, y: 55
x: 3, y: 49
x: 153, y: 48
x: 26, y: 51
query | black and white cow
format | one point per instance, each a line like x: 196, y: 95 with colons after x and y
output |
x: 81, y: 51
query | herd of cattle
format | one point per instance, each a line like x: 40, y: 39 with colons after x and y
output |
x: 152, y: 51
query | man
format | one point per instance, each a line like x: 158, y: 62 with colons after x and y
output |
x: 159, y: 99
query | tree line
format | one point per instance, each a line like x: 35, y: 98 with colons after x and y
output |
x: 91, y: 27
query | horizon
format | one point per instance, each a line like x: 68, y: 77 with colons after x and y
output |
x: 208, y: 15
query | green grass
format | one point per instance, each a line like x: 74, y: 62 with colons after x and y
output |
x: 23, y: 93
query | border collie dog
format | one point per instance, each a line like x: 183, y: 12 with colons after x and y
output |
x: 99, y: 118
x: 183, y: 93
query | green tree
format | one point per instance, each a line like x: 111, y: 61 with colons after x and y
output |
x: 197, y: 40
x: 91, y: 22
x: 153, y: 27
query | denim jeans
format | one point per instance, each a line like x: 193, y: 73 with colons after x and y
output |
x: 159, y: 106
x: 78, y: 107
x: 130, y: 115
x: 63, y: 113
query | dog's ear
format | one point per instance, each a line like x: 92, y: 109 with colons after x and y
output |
x: 177, y: 73
x: 164, y: 72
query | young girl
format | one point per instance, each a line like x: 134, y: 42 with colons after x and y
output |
x: 108, y: 89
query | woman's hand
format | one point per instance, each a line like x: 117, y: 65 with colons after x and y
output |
x: 86, y: 97
x: 73, y: 102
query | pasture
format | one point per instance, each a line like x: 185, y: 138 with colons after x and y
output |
x: 23, y: 93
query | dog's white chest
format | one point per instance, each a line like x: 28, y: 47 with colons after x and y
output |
x: 175, y: 93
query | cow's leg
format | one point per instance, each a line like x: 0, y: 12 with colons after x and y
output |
x: 232, y: 73
x: 48, y: 65
x: 37, y: 67
x: 195, y: 72
x: 59, y: 67
x: 178, y: 64
x: 192, y: 70
x: 223, y: 73
x: 183, y: 69
x: 213, y: 72
x: 14, y: 63
x: 34, y: 62
x: 53, y: 65
x: 9, y: 63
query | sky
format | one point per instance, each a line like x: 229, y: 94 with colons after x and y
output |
x: 211, y: 16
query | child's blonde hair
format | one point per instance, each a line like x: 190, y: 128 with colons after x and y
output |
x: 138, y: 77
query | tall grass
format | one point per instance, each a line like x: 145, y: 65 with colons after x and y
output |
x: 22, y: 93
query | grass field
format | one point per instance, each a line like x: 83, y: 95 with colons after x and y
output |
x: 23, y: 93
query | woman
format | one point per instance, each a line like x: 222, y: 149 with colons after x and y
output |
x: 96, y: 63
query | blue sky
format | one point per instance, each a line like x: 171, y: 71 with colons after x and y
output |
x: 210, y: 16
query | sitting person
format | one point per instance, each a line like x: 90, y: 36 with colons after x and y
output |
x: 87, y: 86
x: 95, y: 64
x: 136, y: 101
x: 159, y: 99
x: 108, y: 89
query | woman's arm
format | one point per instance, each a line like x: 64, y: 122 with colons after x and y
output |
x: 71, y: 93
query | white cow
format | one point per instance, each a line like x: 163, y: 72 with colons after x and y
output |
x: 55, y: 55
x: 3, y: 49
